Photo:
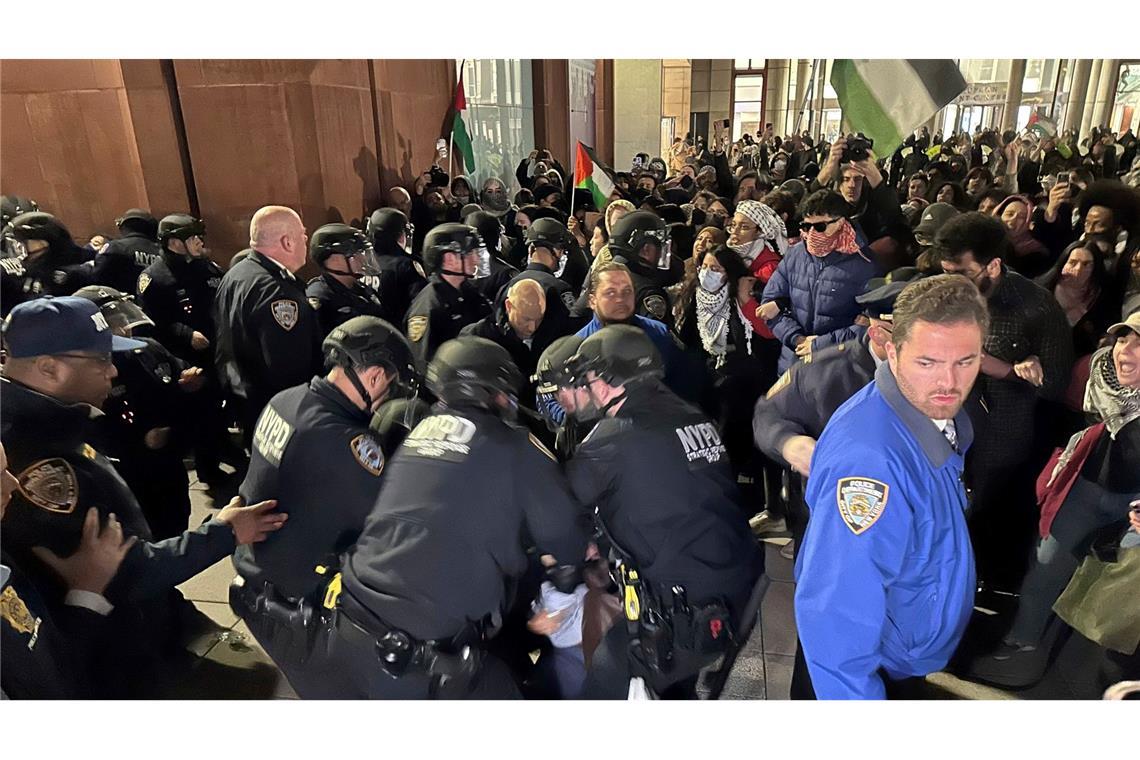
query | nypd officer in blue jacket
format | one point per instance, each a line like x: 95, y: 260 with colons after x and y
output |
x: 885, y: 579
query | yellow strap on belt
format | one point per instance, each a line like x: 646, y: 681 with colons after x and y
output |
x: 332, y: 593
x: 632, y: 602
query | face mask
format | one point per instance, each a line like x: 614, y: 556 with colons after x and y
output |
x: 496, y: 201
x: 819, y: 243
x: 749, y: 251
x: 710, y: 281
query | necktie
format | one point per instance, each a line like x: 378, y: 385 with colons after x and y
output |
x: 951, y: 433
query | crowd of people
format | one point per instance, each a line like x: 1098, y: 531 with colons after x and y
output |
x: 504, y: 418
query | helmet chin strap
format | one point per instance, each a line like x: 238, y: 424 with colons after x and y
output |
x: 341, y: 272
x: 464, y: 275
x: 354, y: 378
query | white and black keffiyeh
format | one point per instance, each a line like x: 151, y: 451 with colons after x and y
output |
x: 1116, y: 404
x: 712, y: 322
x: 771, y: 226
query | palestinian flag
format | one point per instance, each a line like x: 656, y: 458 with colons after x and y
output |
x: 592, y: 175
x: 888, y: 99
x: 1043, y: 127
x: 460, y: 137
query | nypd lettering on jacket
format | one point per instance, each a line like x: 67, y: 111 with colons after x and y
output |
x: 271, y: 436
x: 442, y: 436
x: 701, y: 441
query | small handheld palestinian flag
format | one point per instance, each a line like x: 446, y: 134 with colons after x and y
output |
x: 1043, y: 127
x: 592, y: 175
x: 888, y: 99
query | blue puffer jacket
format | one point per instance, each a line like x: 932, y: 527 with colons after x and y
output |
x: 817, y: 297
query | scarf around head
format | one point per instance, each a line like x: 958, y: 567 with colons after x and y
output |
x: 769, y: 223
x: 819, y: 244
x: 712, y: 321
x: 1114, y: 403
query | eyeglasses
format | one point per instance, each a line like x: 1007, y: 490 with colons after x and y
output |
x: 99, y: 358
x: 818, y: 226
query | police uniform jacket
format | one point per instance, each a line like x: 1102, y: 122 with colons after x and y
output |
x: 661, y: 481
x: 268, y: 338
x: 120, y: 262
x: 51, y: 274
x: 556, y: 320
x: 462, y: 499
x: 336, y: 303
x: 649, y: 290
x: 177, y: 293
x: 497, y: 328
x: 62, y: 474
x: 439, y: 313
x: 402, y: 278
x: 885, y: 578
x: 804, y: 398
x: 314, y: 453
x: 492, y: 285
x: 145, y: 395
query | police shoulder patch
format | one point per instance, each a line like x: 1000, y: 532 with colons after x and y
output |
x: 655, y: 304
x: 144, y: 281
x: 51, y: 485
x: 861, y: 502
x: 784, y: 381
x: 285, y: 311
x: 568, y: 299
x: 16, y: 614
x: 417, y: 326
x: 368, y: 454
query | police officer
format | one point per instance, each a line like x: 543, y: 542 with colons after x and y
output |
x: 640, y: 240
x: 546, y: 241
x: 142, y: 416
x: 493, y: 273
x: 556, y: 398
x: 449, y: 301
x: 515, y: 326
x: 789, y: 419
x: 885, y: 578
x: 268, y: 335
x: 119, y: 263
x: 659, y: 475
x: 43, y: 260
x: 321, y: 427
x: 426, y: 582
x: 401, y: 275
x: 11, y: 206
x: 342, y: 253
x: 59, y: 367
x: 177, y: 292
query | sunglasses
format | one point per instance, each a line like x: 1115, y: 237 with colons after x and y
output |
x: 818, y: 226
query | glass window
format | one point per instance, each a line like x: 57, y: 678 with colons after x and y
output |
x: 748, y: 102
x: 750, y: 64
x: 582, y: 87
x: 500, y: 116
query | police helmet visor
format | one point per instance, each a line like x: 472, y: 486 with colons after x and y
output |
x: 124, y: 313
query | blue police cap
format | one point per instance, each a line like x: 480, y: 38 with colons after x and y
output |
x: 878, y: 301
x: 47, y: 326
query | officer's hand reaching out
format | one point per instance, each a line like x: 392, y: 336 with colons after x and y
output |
x: 803, y: 347
x: 1031, y: 371
x: 797, y: 452
x: 251, y: 524
x: 192, y: 379
x: 97, y: 559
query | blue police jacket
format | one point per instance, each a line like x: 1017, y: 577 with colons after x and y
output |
x: 885, y: 578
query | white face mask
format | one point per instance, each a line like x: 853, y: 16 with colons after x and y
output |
x: 749, y: 251
x: 710, y: 281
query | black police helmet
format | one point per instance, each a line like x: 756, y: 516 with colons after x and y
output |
x: 547, y: 233
x: 552, y: 372
x: 180, y: 227
x: 118, y: 308
x: 488, y: 227
x: 448, y: 238
x: 138, y: 220
x: 619, y: 355
x: 336, y: 238
x: 395, y: 419
x: 11, y: 206
x: 384, y: 229
x: 37, y: 225
x: 472, y: 369
x: 371, y: 342
x: 635, y: 229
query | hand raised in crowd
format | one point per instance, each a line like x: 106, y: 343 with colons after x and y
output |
x: 768, y: 311
x: 803, y: 347
x: 199, y: 342
x: 1058, y: 195
x: 92, y: 566
x: 797, y: 452
x: 192, y: 379
x: 1031, y: 371
x: 744, y: 289
x: 251, y: 524
x: 869, y: 170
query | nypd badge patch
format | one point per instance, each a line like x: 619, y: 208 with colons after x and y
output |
x: 656, y: 306
x: 417, y: 326
x: 51, y: 485
x: 861, y: 502
x: 285, y: 312
x: 16, y: 614
x: 144, y: 280
x: 368, y: 454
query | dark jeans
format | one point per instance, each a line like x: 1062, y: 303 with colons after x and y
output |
x: 1087, y: 509
x: 610, y: 671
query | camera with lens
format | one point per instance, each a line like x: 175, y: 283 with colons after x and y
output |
x: 856, y: 149
x: 439, y: 177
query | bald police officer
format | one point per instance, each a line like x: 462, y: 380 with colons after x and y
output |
x: 885, y: 578
x: 268, y: 335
